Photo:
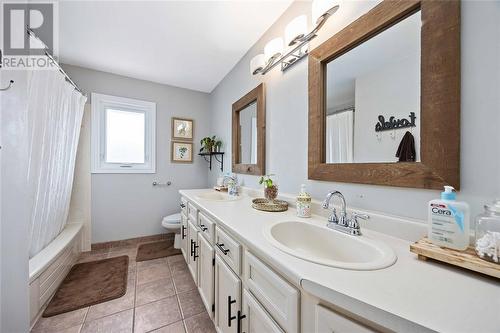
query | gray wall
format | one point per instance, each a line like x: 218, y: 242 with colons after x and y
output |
x: 287, y: 108
x: 127, y: 205
x: 14, y: 217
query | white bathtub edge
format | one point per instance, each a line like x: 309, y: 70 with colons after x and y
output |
x: 49, y: 254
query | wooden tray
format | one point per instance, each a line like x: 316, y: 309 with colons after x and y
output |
x: 270, y: 206
x: 466, y: 259
x: 221, y: 188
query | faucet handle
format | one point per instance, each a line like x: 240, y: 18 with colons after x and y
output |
x: 353, y: 222
x: 333, y: 217
x: 361, y: 216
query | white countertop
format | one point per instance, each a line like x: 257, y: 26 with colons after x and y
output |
x: 408, y: 296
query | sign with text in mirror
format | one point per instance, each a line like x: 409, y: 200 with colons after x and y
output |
x: 248, y: 134
x: 373, y: 98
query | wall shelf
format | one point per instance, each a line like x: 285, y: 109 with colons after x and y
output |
x: 218, y: 156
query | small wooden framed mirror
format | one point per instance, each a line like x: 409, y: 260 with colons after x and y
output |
x: 384, y: 98
x: 249, y: 133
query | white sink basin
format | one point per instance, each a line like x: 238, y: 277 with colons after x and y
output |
x: 325, y: 246
x: 218, y: 196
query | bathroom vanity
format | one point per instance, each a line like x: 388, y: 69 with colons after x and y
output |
x: 248, y: 284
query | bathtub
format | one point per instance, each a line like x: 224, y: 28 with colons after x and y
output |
x: 50, y: 266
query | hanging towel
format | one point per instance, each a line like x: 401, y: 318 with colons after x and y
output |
x: 406, y: 149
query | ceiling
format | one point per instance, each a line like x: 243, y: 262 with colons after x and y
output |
x: 188, y: 44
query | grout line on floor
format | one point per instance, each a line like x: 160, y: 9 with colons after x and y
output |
x: 135, y: 293
x: 84, y: 319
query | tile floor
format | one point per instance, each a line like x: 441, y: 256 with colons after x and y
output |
x: 161, y: 297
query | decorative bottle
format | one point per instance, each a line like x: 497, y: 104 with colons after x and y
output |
x: 303, y: 203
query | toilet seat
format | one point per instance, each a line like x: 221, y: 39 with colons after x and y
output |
x: 171, y: 220
x: 173, y: 224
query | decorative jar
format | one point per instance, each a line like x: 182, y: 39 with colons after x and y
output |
x: 271, y: 192
x: 487, y: 243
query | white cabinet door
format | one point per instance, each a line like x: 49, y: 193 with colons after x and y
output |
x: 328, y: 321
x: 276, y: 295
x: 185, y: 237
x: 206, y: 274
x: 254, y: 319
x: 227, y: 297
x: 193, y: 252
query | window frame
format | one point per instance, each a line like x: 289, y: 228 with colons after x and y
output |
x: 100, y: 103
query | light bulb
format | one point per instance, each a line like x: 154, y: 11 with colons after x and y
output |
x: 273, y: 49
x: 297, y: 28
x: 257, y: 63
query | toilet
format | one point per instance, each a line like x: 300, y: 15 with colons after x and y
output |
x: 173, y: 224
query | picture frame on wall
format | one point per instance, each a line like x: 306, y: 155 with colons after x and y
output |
x: 182, y: 152
x: 182, y: 129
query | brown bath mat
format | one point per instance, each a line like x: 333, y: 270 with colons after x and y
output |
x: 90, y: 283
x: 149, y: 251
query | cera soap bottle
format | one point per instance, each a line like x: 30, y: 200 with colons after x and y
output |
x: 449, y: 221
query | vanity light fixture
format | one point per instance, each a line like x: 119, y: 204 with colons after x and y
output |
x: 296, y: 38
x: 273, y: 49
x: 257, y: 63
x: 295, y: 30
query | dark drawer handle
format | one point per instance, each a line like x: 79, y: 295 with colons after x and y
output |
x: 230, y: 318
x: 203, y: 228
x: 194, y: 254
x: 221, y: 247
x: 183, y: 234
x: 183, y: 205
x: 238, y: 323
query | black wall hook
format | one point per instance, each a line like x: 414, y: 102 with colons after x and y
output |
x: 11, y: 82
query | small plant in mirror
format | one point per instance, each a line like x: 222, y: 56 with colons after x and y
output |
x: 270, y: 187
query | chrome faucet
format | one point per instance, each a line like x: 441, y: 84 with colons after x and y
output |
x: 343, y: 213
x: 343, y: 223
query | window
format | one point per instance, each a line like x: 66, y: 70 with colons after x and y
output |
x: 123, y: 135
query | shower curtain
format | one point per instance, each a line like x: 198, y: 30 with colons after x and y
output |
x: 55, y: 111
x: 339, y: 136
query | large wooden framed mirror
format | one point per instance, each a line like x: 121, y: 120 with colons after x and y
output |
x: 384, y: 98
x: 249, y: 133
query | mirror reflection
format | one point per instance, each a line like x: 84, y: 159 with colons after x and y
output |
x: 248, y: 134
x: 373, y: 98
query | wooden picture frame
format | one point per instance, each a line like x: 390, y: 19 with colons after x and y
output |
x: 189, y: 129
x: 181, y: 157
x: 255, y: 95
x: 440, y: 98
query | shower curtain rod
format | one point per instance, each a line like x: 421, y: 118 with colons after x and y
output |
x: 51, y: 57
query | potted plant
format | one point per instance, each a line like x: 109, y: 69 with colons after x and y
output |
x: 270, y: 187
x: 207, y: 144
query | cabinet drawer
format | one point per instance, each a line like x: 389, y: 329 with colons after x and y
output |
x: 277, y: 296
x: 207, y: 227
x: 228, y: 249
x: 184, y: 206
x: 192, y: 213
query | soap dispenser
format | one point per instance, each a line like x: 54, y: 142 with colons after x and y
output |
x: 303, y: 203
x: 449, y: 221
